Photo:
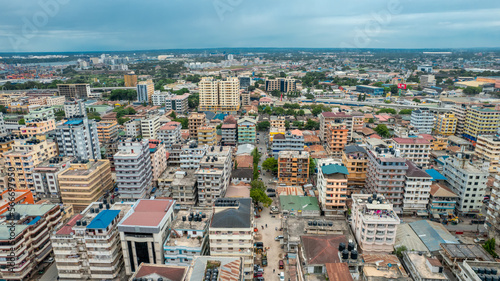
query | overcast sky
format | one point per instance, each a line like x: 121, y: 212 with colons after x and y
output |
x: 105, y: 25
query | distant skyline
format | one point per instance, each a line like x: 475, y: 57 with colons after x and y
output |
x: 70, y: 25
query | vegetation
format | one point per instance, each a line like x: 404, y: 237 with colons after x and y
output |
x: 310, y: 96
x: 489, y: 246
x: 473, y: 90
x: 399, y: 251
x: 3, y: 109
x: 256, y: 158
x: 122, y: 120
x: 258, y: 193
x: 184, y: 122
x: 263, y: 126
x: 386, y: 110
x: 193, y: 100
x: 60, y: 115
x: 416, y: 100
x: 312, y: 166
x: 383, y: 131
x: 129, y: 95
x: 21, y: 122
x: 371, y: 120
x: 405, y: 111
x: 311, y: 125
x: 271, y: 164
x: 121, y: 111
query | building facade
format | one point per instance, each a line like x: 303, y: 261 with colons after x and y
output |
x: 480, y: 121
x: 422, y: 120
x: 170, y: 134
x: 207, y: 135
x: 219, y: 95
x: 416, y: 191
x: 336, y: 138
x: 285, y: 85
x: 78, y: 138
x: 213, y: 177
x: 417, y: 150
x: 291, y: 141
x: 446, y: 124
x: 74, y: 108
x: 488, y: 150
x: 196, y: 120
x: 247, y: 130
x: 293, y: 167
x: 332, y: 187
x: 355, y: 159
x: 45, y: 177
x: 76, y: 91
x: 145, y: 91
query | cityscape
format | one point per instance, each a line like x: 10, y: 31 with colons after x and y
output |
x: 195, y: 146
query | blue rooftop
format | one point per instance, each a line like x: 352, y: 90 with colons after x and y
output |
x: 103, y: 219
x: 334, y: 169
x: 435, y: 175
x: 74, y: 122
x: 432, y: 234
x: 32, y: 222
x: 220, y: 116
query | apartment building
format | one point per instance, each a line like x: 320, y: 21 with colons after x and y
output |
x: 488, y: 150
x: 446, y: 124
x: 133, y: 128
x: 358, y: 121
x: 374, y: 223
x: 23, y: 158
x: 442, y: 201
x: 219, y: 95
x: 480, y: 121
x: 170, y: 134
x: 6, y: 143
x: 386, y: 175
x: 177, y: 103
x: 183, y: 188
x: 88, y: 245
x: 158, y: 154
x: 207, y: 135
x: 145, y: 91
x: 77, y: 137
x: 133, y: 168
x: 416, y: 191
x: 247, y: 129
x: 285, y: 85
x: 460, y: 111
x: 75, y: 91
x: 355, y: 159
x: 196, y: 120
x: 55, y: 100
x: 143, y: 232
x: 188, y: 236
x: 229, y: 134
x: 107, y: 131
x: 493, y: 210
x: 467, y: 181
x: 326, y: 118
x: 231, y: 232
x: 45, y: 176
x: 439, y: 143
x: 422, y: 120
x: 74, y: 108
x: 336, y: 138
x: 277, y: 122
x: 37, y: 127
x: 84, y: 182
x: 150, y: 126
x: 417, y: 150
x: 3, y: 129
x: 293, y: 167
x: 27, y: 244
x: 332, y: 187
x: 40, y: 114
x: 191, y: 155
x: 290, y: 141
x: 130, y: 80
x: 213, y: 178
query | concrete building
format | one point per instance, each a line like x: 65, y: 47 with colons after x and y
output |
x: 417, y: 190
x: 177, y: 103
x: 293, y: 167
x: 355, y: 159
x: 150, y: 126
x: 184, y: 189
x: 446, y: 124
x: 107, y: 131
x: 480, y: 121
x: 55, y: 100
x: 336, y: 138
x: 229, y: 267
x: 277, y: 122
x: 488, y: 150
x: 188, y: 236
x: 493, y: 211
x: 196, y: 120
x: 40, y: 113
x: 422, y: 120
x: 219, y: 95
x: 442, y: 201
x: 191, y: 155
x: 170, y: 134
x: 24, y: 239
x: 88, y: 245
x: 27, y: 154
x: 133, y: 168
x: 247, y: 129
x: 8, y: 197
x: 370, y: 90
x: 326, y: 118
x: 45, y: 176
x: 427, y: 80
x: 332, y: 187
x: 231, y: 232
x: 460, y: 111
x: 37, y: 127
x: 467, y: 181
x: 382, y: 267
x: 423, y: 268
x: 145, y: 91
x: 229, y: 134
x: 374, y: 223
x: 76, y: 91
x: 133, y: 128
x: 158, y: 154
x: 213, y: 177
x: 143, y: 232
x: 386, y: 175
x: 78, y: 137
x: 85, y: 181
x: 207, y: 135
x: 3, y: 129
x: 130, y: 80
x: 291, y: 141
x: 74, y: 108
x: 417, y: 150
x: 285, y: 85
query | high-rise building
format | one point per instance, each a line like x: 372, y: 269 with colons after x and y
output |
x: 247, y: 129
x: 213, y: 176
x: 292, y: 141
x: 76, y: 91
x: 207, y: 135
x: 285, y: 85
x: 40, y: 113
x: 158, y: 159
x: 336, y: 138
x: 417, y: 190
x: 45, y: 178
x: 107, y: 131
x: 355, y: 159
x: 143, y: 232
x: 493, y: 213
x: 244, y: 82
x: 332, y: 187
x: 150, y: 126
x: 460, y: 111
x: 326, y: 118
x: 78, y: 137
x: 219, y: 95
x: 293, y: 167
x: 145, y: 91
x: 417, y: 150
x: 488, y: 150
x: 74, y: 108
x: 177, y: 103
x: 422, y: 120
x: 374, y: 223
x: 133, y: 168
x: 133, y: 128
x: 480, y: 121
x: 170, y: 134
x: 85, y: 181
x: 196, y: 120
x: 467, y: 181
x: 229, y: 134
x: 130, y: 80
x: 446, y: 124
x: 37, y: 127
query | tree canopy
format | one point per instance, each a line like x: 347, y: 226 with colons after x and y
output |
x: 270, y: 164
x: 123, y: 95
x: 263, y: 126
x: 383, y: 131
x: 386, y: 110
x: 405, y: 111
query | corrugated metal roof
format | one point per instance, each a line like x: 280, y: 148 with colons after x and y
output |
x: 103, y: 219
x: 435, y: 175
x: 334, y: 169
x: 405, y: 236
x: 432, y: 234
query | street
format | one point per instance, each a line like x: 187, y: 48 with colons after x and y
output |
x: 49, y: 275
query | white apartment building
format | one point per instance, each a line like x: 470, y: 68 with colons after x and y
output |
x: 74, y: 108
x: 133, y: 128
x: 460, y: 112
x: 133, y: 168
x: 493, y: 212
x: 422, y: 120
x: 417, y: 190
x: 88, y: 245
x: 78, y: 138
x: 150, y: 126
x: 219, y: 95
x: 374, y: 223
x: 143, y: 232
x: 332, y: 186
x: 3, y: 129
x: 177, y: 103
x: 170, y: 134
x: 231, y: 231
x: 191, y: 155
x: 45, y: 177
x: 417, y: 150
x: 467, y: 181
x: 213, y: 178
x: 293, y: 140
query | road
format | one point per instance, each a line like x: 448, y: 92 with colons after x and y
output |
x: 49, y: 275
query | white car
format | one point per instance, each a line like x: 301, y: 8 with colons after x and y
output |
x: 282, y: 276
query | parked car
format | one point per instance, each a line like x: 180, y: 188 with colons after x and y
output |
x: 271, y: 195
x: 271, y: 190
x: 282, y: 276
x: 282, y: 264
x: 279, y: 237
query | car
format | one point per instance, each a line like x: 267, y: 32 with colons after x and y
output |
x: 271, y: 190
x: 257, y: 274
x: 282, y: 264
x: 282, y: 276
x: 50, y: 260
x: 279, y: 237
x: 271, y: 195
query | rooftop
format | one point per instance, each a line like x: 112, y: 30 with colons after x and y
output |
x: 466, y: 251
x: 405, y: 236
x: 80, y: 172
x: 229, y: 269
x: 354, y: 148
x: 338, y: 272
x: 155, y: 271
x: 432, y: 234
x: 411, y: 141
x: 147, y: 213
x: 420, y: 264
x: 334, y: 169
x: 435, y: 175
x: 321, y: 249
x: 415, y: 172
x: 233, y: 217
x: 296, y: 203
x: 103, y: 219
x: 293, y: 154
x: 439, y: 190
x: 388, y: 267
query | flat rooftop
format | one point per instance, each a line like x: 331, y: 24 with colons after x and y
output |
x: 182, y: 220
x: 94, y: 165
x: 420, y: 264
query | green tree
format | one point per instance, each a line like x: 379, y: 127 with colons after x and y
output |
x: 263, y: 126
x: 235, y: 164
x: 122, y: 120
x: 405, y: 111
x: 416, y: 100
x: 489, y: 246
x: 257, y: 185
x: 473, y: 90
x: 310, y: 96
x: 316, y: 111
x: 378, y: 84
x: 282, y: 74
x: 173, y: 115
x: 3, y: 109
x: 193, y: 100
x: 184, y: 122
x: 312, y: 166
x: 371, y: 120
x: 383, y: 131
x: 131, y: 111
x: 312, y: 125
x: 399, y: 251
x: 301, y: 113
x: 270, y: 164
x: 21, y: 122
x: 259, y: 195
x: 287, y: 124
x: 256, y: 156
x: 386, y: 110
x: 275, y: 93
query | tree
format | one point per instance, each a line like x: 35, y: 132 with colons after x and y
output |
x: 282, y: 74
x: 3, y: 109
x: 378, y: 84
x: 21, y: 122
x: 122, y: 120
x: 312, y: 166
x: 311, y: 125
x: 287, y: 124
x: 310, y: 96
x: 371, y: 120
x: 259, y: 195
x: 386, y: 110
x: 383, y: 131
x: 256, y: 156
x: 301, y: 113
x: 193, y: 100
x: 489, y: 246
x: 275, y: 93
x: 173, y: 115
x: 270, y: 164
x: 405, y: 111
x: 263, y: 126
x: 399, y: 251
x: 235, y: 164
x: 184, y: 122
x: 416, y: 100
x: 257, y: 184
x: 316, y: 111
x: 473, y: 90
